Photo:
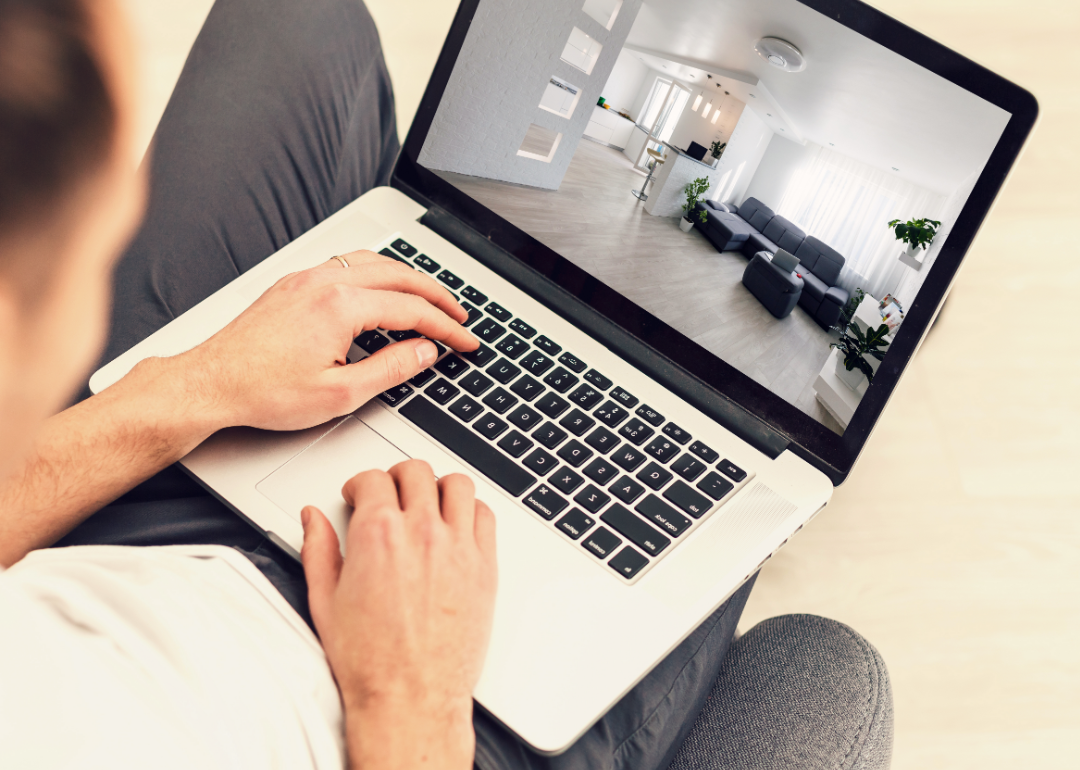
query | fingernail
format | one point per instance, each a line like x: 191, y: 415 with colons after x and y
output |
x: 305, y: 517
x: 426, y: 352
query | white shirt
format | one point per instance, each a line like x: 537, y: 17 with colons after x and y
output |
x: 178, y: 657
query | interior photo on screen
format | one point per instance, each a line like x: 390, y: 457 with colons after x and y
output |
x: 766, y: 181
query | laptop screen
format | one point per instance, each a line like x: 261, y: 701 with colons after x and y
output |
x: 571, y: 119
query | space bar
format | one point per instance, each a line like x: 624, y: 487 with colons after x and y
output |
x: 468, y: 446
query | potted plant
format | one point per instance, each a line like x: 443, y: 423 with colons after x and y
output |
x: 853, y: 346
x: 916, y: 233
x: 847, y: 312
x: 694, y: 192
x: 717, y: 149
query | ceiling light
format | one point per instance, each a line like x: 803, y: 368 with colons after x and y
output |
x: 705, y: 112
x: 781, y: 54
x: 697, y: 103
x: 715, y: 116
x: 894, y: 168
x: 753, y: 96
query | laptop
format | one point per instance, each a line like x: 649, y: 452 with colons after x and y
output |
x: 647, y: 434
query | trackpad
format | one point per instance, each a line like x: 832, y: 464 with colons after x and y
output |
x: 316, y: 475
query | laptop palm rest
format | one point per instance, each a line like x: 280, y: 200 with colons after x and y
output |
x: 316, y: 475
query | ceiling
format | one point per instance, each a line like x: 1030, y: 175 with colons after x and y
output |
x: 854, y: 96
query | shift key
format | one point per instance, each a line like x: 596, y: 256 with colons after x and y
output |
x: 633, y: 528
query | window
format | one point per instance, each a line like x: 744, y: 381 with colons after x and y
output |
x: 604, y: 11
x: 581, y: 51
x: 560, y: 97
x: 540, y: 143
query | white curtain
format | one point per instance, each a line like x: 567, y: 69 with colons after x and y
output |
x: 848, y: 205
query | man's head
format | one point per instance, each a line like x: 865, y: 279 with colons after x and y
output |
x: 69, y: 198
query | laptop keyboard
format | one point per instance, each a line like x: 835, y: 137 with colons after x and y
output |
x: 577, y: 449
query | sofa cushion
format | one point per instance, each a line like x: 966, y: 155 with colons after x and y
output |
x: 756, y: 213
x: 813, y: 286
x: 784, y: 233
x: 758, y: 242
x: 730, y: 227
x: 717, y: 206
x: 820, y: 259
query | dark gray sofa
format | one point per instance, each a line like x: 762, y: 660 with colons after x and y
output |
x: 753, y: 228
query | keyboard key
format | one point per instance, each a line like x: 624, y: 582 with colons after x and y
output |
x: 626, y: 399
x: 550, y: 435
x: 611, y: 414
x: 525, y: 418
x: 498, y: 311
x: 545, y: 502
x: 371, y: 342
x: 537, y: 363
x: 706, y: 453
x: 552, y: 405
x: 570, y: 361
x: 577, y: 422
x: 574, y: 524
x: 512, y: 346
x: 465, y: 444
x: 474, y: 296
x: 441, y: 391
x: 406, y: 249
x: 600, y: 471
x: 522, y: 328
x: 627, y: 458
x: 654, y: 476
x: 663, y: 515
x: 514, y: 444
x: 393, y: 255
x: 597, y: 379
x: 731, y: 470
x: 561, y: 380
x: 451, y: 367
x: 490, y: 427
x: 427, y: 263
x: 465, y: 409
x: 628, y: 562
x: 450, y: 280
x: 677, y: 433
x: 547, y: 346
x: 636, y: 431
x: 602, y: 440
x: 476, y: 383
x: 627, y: 490
x: 566, y: 480
x: 403, y: 334
x: 527, y: 388
x: 474, y: 314
x: 601, y: 543
x: 662, y: 449
x: 591, y: 499
x: 688, y: 500
x: 500, y: 401
x: 482, y: 356
x: 540, y: 462
x: 397, y: 395
x: 488, y: 331
x: 503, y: 371
x: 688, y: 467
x: 574, y: 453
x: 715, y: 486
x: 635, y: 530
x: 649, y: 415
x: 423, y: 378
x: 586, y: 397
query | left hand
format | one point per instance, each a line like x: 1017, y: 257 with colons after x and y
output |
x: 281, y: 365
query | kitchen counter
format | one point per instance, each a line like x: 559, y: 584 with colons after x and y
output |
x: 609, y: 127
x: 666, y: 195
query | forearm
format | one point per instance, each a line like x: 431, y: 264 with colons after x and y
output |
x: 409, y: 738
x: 90, y: 454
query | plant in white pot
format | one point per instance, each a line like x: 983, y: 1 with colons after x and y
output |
x: 694, y: 192
x: 716, y: 150
x: 916, y: 233
x: 853, y: 345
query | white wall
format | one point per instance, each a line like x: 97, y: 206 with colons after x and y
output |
x: 741, y: 158
x: 693, y: 127
x: 625, y: 81
x: 493, y: 95
x: 783, y: 158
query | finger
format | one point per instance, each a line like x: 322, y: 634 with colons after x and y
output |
x: 387, y: 274
x: 391, y: 366
x: 368, y: 491
x: 457, y: 498
x: 397, y: 311
x: 321, y: 556
x: 484, y: 527
x: 417, y: 490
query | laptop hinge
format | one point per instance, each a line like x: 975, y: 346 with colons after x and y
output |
x: 726, y: 412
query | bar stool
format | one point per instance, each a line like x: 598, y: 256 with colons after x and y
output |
x: 658, y: 159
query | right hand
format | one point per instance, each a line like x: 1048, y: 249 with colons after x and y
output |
x: 405, y: 618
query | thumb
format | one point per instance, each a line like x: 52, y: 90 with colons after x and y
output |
x: 321, y: 556
x: 389, y: 367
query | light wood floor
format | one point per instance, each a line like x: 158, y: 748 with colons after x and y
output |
x: 955, y: 545
x: 681, y: 278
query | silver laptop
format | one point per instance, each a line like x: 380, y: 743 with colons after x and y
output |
x: 647, y: 432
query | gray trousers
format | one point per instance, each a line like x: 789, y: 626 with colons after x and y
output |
x: 283, y: 114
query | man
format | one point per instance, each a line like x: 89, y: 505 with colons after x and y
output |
x: 193, y: 650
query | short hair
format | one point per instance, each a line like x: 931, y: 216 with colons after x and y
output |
x: 57, y: 116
